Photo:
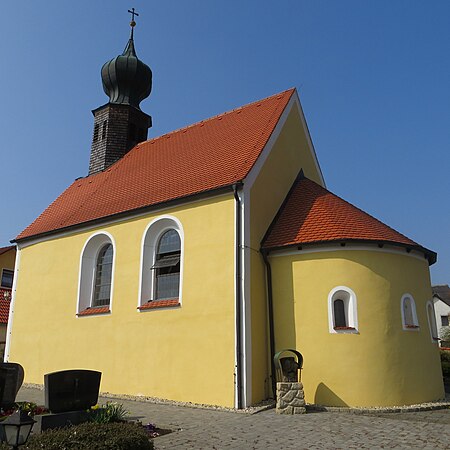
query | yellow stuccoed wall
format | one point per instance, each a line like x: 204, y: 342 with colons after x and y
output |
x: 289, y: 154
x: 184, y: 354
x: 383, y: 365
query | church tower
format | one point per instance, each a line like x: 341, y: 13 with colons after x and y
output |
x: 120, y: 124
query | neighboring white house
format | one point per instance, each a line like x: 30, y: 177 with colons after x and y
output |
x: 441, y: 301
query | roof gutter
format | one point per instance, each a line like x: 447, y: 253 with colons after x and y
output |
x: 130, y: 213
x: 429, y: 255
x: 238, y: 288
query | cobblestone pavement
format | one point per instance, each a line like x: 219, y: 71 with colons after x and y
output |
x: 209, y: 429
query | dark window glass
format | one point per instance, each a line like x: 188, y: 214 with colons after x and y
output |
x: 167, y: 266
x: 339, y: 313
x: 105, y: 124
x: 444, y: 321
x: 7, y: 278
x: 96, y: 130
x: 103, y: 274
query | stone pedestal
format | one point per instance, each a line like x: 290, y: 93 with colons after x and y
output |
x: 59, y: 420
x: 290, y: 398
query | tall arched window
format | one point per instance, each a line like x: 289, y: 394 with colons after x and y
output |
x: 96, y: 275
x: 161, y: 283
x: 342, y: 312
x: 103, y: 274
x: 409, y: 315
x: 167, y: 266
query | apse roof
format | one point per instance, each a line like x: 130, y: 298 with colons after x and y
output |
x: 206, y: 156
x: 311, y: 214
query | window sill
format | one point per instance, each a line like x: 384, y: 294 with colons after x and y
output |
x: 344, y: 328
x: 155, y: 304
x: 411, y: 327
x: 92, y: 311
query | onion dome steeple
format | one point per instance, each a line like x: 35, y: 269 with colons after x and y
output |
x: 120, y: 124
x: 126, y: 79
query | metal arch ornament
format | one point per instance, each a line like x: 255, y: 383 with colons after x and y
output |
x: 277, y: 362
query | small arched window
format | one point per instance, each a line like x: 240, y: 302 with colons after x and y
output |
x: 167, y: 266
x: 103, y: 275
x: 409, y: 315
x: 342, y: 312
x: 432, y: 323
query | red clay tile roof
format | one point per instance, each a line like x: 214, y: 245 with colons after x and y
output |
x: 4, y: 305
x: 312, y: 214
x: 6, y: 249
x: 211, y: 154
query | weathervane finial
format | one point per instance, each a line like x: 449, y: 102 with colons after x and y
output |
x: 132, y: 23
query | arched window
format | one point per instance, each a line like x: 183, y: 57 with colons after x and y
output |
x: 408, y: 311
x: 342, y: 312
x: 96, y: 275
x: 161, y: 264
x: 103, y: 274
x: 167, y: 266
x: 432, y: 323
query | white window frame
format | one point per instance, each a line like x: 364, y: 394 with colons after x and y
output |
x: 88, y: 264
x: 432, y: 321
x: 415, y: 325
x: 350, y: 304
x: 150, y: 239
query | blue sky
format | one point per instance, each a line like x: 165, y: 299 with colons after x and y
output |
x: 373, y: 79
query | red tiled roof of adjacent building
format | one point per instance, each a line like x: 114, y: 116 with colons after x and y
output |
x: 208, y: 155
x: 311, y: 214
x: 4, y: 305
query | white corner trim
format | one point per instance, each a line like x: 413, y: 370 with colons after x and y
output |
x: 294, y: 101
x: 351, y: 310
x: 308, y: 138
x: 12, y: 304
x: 86, y: 272
x: 404, y: 298
x: 149, y: 240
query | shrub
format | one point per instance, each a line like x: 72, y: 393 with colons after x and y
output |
x: 109, y: 413
x: 93, y: 436
x: 445, y: 361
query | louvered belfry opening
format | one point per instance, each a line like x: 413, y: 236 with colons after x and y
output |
x: 117, y: 129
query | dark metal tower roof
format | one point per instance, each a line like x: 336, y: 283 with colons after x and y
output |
x: 126, y: 79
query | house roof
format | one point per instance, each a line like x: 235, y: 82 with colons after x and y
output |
x: 208, y: 155
x: 442, y: 292
x: 6, y: 249
x: 4, y: 306
x: 311, y: 214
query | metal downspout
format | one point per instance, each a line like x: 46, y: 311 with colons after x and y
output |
x: 238, y: 298
x: 271, y: 321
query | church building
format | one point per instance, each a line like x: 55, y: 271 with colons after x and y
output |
x: 181, y: 264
